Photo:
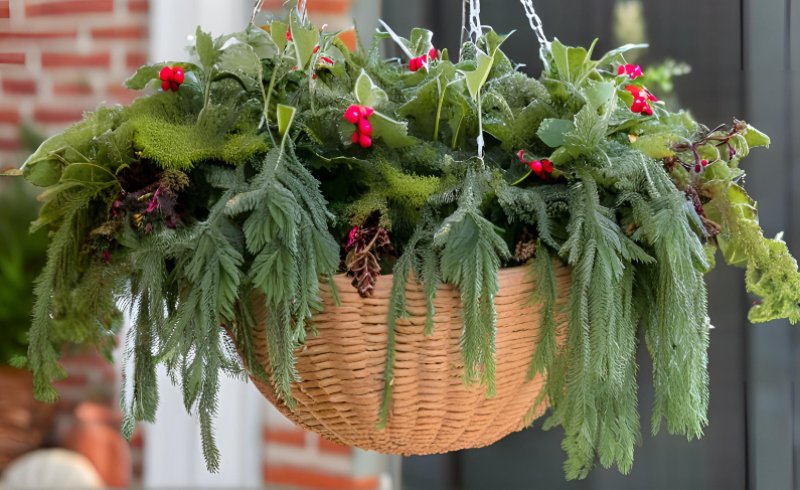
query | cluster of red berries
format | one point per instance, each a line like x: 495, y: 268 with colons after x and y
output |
x: 171, y: 78
x: 542, y: 168
x: 351, y: 237
x: 641, y: 100
x: 359, y: 115
x: 633, y: 71
x: 415, y: 64
x: 701, y: 166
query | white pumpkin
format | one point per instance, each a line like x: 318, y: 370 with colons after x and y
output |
x: 50, y: 469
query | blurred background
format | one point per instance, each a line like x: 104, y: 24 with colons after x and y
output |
x: 61, y: 57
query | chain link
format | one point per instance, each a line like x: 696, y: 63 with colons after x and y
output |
x: 536, y: 23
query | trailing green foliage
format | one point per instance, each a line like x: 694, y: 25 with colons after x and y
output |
x: 214, y: 211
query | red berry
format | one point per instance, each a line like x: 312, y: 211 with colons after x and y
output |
x: 353, y: 114
x: 174, y: 86
x: 327, y: 60
x: 313, y: 76
x: 647, y: 110
x: 698, y: 168
x: 165, y: 86
x: 177, y: 74
x: 366, y: 111
x: 521, y: 155
x: 364, y: 127
x: 316, y: 49
x: 365, y: 141
x: 536, y: 166
x: 704, y: 162
x: 547, y: 166
x: 288, y: 34
x: 414, y: 64
x: 433, y: 54
x: 621, y: 70
x: 355, y: 137
x: 165, y: 74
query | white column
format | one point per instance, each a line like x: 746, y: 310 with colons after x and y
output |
x: 172, y: 450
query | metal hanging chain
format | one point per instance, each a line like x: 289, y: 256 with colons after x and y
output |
x: 475, y: 27
x: 536, y: 23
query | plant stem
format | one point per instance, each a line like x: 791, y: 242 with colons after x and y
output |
x: 439, y: 109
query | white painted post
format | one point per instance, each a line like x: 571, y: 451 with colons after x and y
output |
x: 172, y: 452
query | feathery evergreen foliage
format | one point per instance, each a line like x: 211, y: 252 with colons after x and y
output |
x: 203, y: 208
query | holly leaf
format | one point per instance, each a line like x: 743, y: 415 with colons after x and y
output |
x: 476, y: 78
x: 553, y: 131
x: 305, y: 39
x: 368, y: 93
x: 206, y: 51
x: 393, y: 133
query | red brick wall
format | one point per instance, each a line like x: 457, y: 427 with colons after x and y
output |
x: 300, y: 459
x: 59, y: 58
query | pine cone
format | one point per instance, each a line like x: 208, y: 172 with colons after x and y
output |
x: 526, y: 246
x: 364, y: 246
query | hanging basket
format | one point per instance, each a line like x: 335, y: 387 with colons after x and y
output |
x: 432, y: 410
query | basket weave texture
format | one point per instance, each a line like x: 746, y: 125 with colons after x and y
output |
x: 432, y: 410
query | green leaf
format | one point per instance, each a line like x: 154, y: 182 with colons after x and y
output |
x: 615, y: 55
x: 43, y: 172
x: 756, y: 138
x: 590, y: 130
x: 206, y: 51
x: 401, y: 42
x: 393, y: 133
x: 305, y: 39
x: 572, y: 64
x: 278, y: 32
x: 420, y: 41
x: 599, y: 94
x: 552, y: 131
x: 285, y: 117
x: 656, y: 145
x: 143, y: 76
x: 241, y: 61
x: 745, y: 210
x: 367, y: 93
x: 87, y: 174
x: 476, y: 78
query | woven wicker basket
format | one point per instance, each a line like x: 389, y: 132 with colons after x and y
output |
x: 432, y: 410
